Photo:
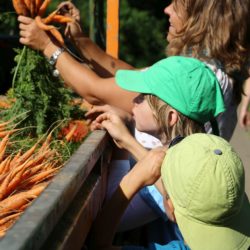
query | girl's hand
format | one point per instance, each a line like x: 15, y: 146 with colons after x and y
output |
x: 145, y: 172
x: 31, y: 35
x: 115, y: 127
x: 73, y: 29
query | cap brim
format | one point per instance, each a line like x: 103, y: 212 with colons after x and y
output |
x: 132, y: 80
x: 206, y: 237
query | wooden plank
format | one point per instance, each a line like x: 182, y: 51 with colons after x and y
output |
x: 112, y: 33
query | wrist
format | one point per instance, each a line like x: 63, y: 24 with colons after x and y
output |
x: 129, y: 185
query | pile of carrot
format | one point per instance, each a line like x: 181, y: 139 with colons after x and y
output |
x: 23, y: 176
x: 36, y: 9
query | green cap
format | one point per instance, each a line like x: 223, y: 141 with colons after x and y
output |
x: 186, y: 84
x: 204, y: 178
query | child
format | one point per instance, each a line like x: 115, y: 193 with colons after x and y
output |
x: 157, y: 112
x: 203, y: 179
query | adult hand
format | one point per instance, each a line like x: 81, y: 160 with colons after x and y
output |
x: 97, y: 110
x: 31, y: 35
x: 73, y: 29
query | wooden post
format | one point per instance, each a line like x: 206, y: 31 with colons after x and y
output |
x: 112, y: 33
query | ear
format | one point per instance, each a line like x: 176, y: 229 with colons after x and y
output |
x: 172, y: 117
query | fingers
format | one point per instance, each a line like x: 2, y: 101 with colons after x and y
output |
x: 24, y: 20
x: 97, y: 109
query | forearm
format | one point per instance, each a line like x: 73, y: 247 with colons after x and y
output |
x: 102, y: 63
x: 85, y: 82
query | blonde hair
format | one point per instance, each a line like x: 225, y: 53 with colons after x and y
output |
x: 184, y: 126
x: 215, y: 30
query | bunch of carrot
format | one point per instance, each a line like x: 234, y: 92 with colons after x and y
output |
x: 23, y: 176
x: 36, y: 9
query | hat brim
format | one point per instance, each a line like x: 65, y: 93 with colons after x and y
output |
x: 133, y: 80
x: 198, y: 235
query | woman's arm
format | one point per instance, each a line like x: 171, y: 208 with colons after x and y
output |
x: 94, y: 89
x: 102, y: 63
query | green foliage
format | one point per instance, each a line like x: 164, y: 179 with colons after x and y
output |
x: 37, y: 93
x: 142, y: 33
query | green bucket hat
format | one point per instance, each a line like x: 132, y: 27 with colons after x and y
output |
x: 204, y: 178
x: 187, y: 84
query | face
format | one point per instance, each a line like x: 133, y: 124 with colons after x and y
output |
x: 168, y: 205
x: 143, y: 116
x: 176, y: 17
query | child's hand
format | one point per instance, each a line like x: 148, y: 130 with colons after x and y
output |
x: 115, y: 127
x: 148, y: 169
x: 146, y: 172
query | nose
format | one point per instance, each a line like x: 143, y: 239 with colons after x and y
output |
x: 167, y: 10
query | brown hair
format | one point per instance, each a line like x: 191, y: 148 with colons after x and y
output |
x: 184, y: 126
x: 215, y: 30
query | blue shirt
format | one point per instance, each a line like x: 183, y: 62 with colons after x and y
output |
x: 173, y: 245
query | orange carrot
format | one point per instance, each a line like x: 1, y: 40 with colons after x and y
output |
x: 4, y: 133
x: 57, y: 35
x: 3, y: 145
x: 49, y: 18
x: 38, y: 5
x: 61, y: 19
x: 27, y: 154
x: 42, y: 176
x: 71, y: 132
x: 4, y: 166
x: 14, y: 202
x: 43, y: 7
x: 16, y: 157
x: 8, y: 218
x: 43, y: 26
x: 20, y: 7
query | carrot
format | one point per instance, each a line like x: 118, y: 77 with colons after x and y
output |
x: 8, y: 218
x: 4, y: 124
x: 42, y: 176
x: 3, y: 145
x: 46, y: 142
x: 14, y: 202
x: 57, y: 35
x: 38, y: 5
x: 27, y: 154
x: 4, y: 166
x: 43, y: 7
x: 49, y: 18
x: 71, y: 133
x: 20, y: 7
x: 43, y: 26
x: 61, y: 19
x: 15, y: 159
x: 32, y: 8
x: 4, y: 133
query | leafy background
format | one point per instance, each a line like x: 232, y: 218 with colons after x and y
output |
x: 143, y: 28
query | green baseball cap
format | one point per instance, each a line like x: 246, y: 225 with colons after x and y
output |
x: 204, y: 178
x: 186, y: 84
